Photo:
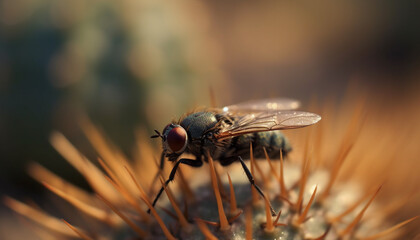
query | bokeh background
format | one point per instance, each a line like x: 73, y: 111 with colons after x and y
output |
x: 133, y: 64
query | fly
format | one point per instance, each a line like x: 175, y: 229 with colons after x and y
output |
x: 226, y: 133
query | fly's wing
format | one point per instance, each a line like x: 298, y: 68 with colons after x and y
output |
x: 275, y: 104
x: 267, y: 121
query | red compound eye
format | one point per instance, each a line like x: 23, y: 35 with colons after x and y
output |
x: 177, y: 139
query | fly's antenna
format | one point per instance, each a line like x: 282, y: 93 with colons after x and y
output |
x: 157, y: 134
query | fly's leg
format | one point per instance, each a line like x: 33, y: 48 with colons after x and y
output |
x: 251, y: 180
x: 162, y: 161
x: 189, y: 162
x: 162, y: 164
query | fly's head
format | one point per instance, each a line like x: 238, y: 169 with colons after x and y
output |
x: 174, y: 140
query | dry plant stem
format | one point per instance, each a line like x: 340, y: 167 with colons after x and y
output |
x: 124, y: 192
x: 121, y: 192
x: 211, y: 223
x: 303, y: 216
x: 224, y: 224
x: 283, y: 191
x: 184, y: 185
x: 318, y: 144
x: 269, y: 227
x: 324, y: 235
x: 220, y: 184
x: 93, y: 175
x: 271, y: 165
x: 359, y: 216
x: 81, y: 235
x: 39, y: 216
x: 248, y: 223
x: 186, y: 209
x: 336, y: 168
x: 276, y: 222
x: 82, y: 206
x: 145, y: 199
x: 233, y: 218
x: 170, y: 214
x: 233, y: 206
x: 181, y: 218
x: 140, y: 232
x: 41, y: 174
x: 389, y: 230
x: 205, y: 230
x: 41, y: 232
x: 263, y: 176
x: 303, y: 180
x: 347, y: 144
x: 131, y: 200
x: 350, y: 209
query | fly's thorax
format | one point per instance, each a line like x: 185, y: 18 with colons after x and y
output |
x: 200, y: 127
x: 197, y: 124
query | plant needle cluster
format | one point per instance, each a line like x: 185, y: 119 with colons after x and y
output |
x: 212, y: 202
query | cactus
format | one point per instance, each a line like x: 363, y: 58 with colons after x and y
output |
x: 211, y: 202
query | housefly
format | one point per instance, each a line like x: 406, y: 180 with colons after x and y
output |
x: 226, y: 134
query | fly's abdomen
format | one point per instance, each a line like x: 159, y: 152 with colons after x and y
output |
x: 272, y: 141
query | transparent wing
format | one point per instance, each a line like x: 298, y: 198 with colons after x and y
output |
x: 261, y: 105
x: 268, y: 121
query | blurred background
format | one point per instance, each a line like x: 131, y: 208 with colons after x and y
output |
x: 133, y: 64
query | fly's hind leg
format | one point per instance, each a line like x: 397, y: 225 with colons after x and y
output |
x: 251, y: 180
x: 189, y: 162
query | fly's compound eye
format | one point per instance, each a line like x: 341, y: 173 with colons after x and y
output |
x: 177, y: 139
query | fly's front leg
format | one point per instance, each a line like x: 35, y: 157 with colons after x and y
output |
x: 162, y: 161
x: 189, y: 162
x: 251, y: 180
x: 161, y: 166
